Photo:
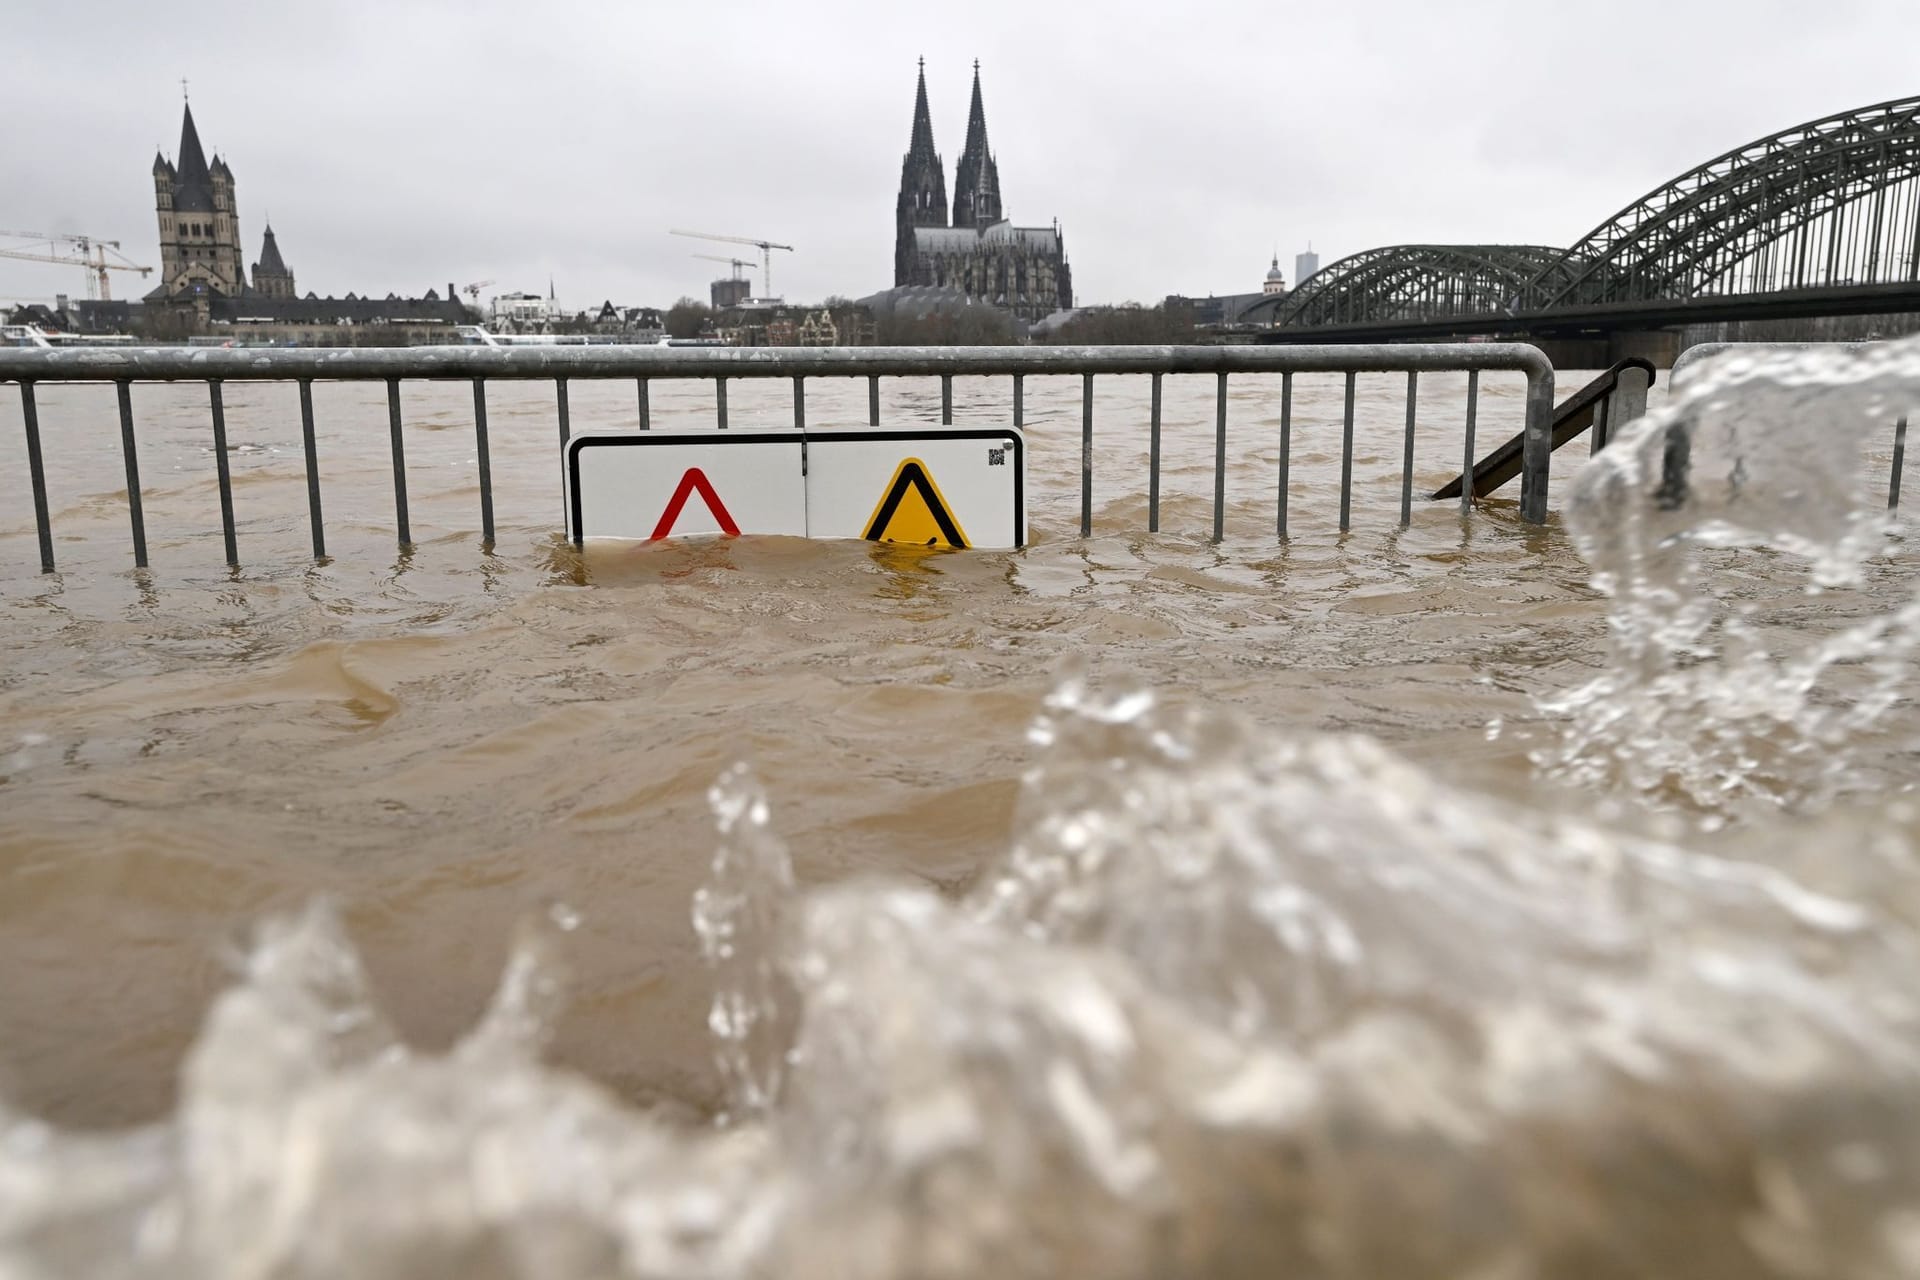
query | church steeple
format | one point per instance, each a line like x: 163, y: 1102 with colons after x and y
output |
x: 193, y: 182
x: 976, y: 185
x: 923, y: 184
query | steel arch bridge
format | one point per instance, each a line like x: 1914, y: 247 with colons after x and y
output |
x: 1833, y: 204
x: 1418, y: 282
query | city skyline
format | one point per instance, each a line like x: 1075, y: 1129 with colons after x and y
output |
x: 413, y: 146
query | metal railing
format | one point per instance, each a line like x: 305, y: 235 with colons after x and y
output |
x: 559, y: 365
x: 1706, y: 350
x: 1615, y: 398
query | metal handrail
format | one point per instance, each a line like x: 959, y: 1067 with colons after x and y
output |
x: 559, y: 365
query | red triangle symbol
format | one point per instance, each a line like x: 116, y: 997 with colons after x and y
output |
x: 694, y: 479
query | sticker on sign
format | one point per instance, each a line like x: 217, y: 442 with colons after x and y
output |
x: 949, y: 487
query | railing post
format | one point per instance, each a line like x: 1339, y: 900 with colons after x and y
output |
x: 37, y: 474
x: 873, y: 399
x: 1899, y: 456
x: 1406, y: 456
x: 946, y: 399
x: 799, y: 404
x: 1627, y: 401
x: 560, y: 409
x: 1286, y: 449
x: 220, y: 467
x: 1346, y: 460
x: 134, y: 513
x: 1466, y: 463
x: 1086, y: 455
x: 486, y: 466
x: 1019, y: 401
x: 1153, y: 461
x: 313, y: 468
x: 1220, y: 460
x: 720, y: 402
x: 399, y: 449
x: 1536, y: 448
x: 645, y: 404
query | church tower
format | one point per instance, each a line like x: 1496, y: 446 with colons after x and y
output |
x: 272, y: 277
x: 976, y: 184
x: 199, y: 222
x: 923, y: 186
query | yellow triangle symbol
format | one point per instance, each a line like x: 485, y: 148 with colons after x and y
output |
x: 912, y: 511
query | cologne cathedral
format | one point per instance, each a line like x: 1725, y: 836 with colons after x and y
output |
x: 1020, y: 269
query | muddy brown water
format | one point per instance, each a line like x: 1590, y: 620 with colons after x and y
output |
x: 446, y: 739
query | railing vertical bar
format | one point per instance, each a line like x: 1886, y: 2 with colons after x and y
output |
x: 220, y: 468
x: 1597, y: 438
x: 36, y: 473
x: 1406, y: 454
x: 720, y: 402
x: 1019, y: 400
x: 799, y: 404
x: 486, y: 464
x: 313, y: 468
x: 1086, y: 455
x: 1536, y: 451
x: 560, y: 409
x: 1153, y: 460
x: 1346, y: 461
x: 873, y: 399
x: 643, y: 392
x: 1286, y: 449
x: 946, y: 399
x: 134, y: 513
x: 1466, y: 462
x: 1220, y: 459
x: 399, y: 449
x: 1899, y: 456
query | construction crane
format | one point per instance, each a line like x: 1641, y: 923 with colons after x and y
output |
x: 473, y: 290
x: 735, y: 263
x: 766, y: 248
x: 92, y: 254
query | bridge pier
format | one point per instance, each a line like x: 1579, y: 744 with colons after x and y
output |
x: 1659, y: 347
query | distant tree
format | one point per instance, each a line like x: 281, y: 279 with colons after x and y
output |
x: 974, y: 326
x: 1127, y: 325
x: 688, y: 317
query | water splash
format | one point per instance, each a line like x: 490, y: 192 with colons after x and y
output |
x: 1701, y: 703
x: 1232, y: 1004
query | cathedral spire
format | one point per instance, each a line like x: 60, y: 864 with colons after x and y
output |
x: 976, y: 184
x: 923, y: 186
x: 921, y: 143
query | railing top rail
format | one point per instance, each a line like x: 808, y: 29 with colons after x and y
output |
x: 201, y: 364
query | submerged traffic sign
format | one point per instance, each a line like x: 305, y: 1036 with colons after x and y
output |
x: 947, y: 487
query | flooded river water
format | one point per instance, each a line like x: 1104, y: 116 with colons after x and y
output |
x: 1121, y: 905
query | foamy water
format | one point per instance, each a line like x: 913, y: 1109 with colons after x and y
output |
x: 1388, y: 905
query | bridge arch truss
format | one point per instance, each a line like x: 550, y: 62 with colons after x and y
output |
x: 1830, y: 203
x: 1419, y: 282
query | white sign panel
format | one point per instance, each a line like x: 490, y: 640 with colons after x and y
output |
x: 950, y: 487
x: 658, y: 484
x: 943, y: 487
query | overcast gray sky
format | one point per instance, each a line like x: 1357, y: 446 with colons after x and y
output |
x: 402, y: 145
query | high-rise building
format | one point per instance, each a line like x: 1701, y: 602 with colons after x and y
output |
x: 1304, y: 265
x: 1020, y: 269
